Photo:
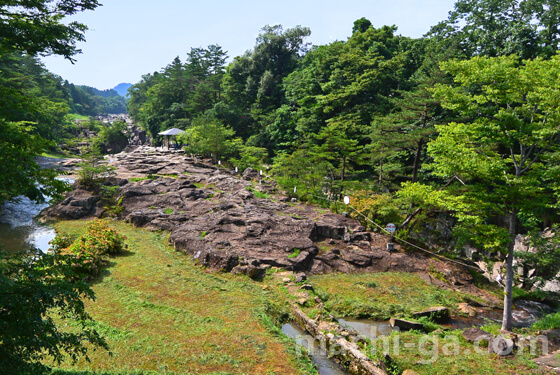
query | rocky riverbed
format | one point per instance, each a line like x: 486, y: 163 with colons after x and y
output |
x: 238, y: 223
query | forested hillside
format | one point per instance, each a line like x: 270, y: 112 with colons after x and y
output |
x: 89, y: 101
x: 463, y: 122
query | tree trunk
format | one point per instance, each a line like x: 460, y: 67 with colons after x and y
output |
x: 343, y: 169
x: 380, y: 174
x: 508, y: 288
x: 417, y: 160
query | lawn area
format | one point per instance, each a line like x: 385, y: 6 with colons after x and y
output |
x: 385, y: 294
x: 447, y: 352
x: 379, y: 295
x: 160, y: 312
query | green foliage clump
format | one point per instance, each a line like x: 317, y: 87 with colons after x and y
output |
x: 209, y: 137
x: 250, y: 156
x: 295, y: 253
x: 113, y: 205
x: 88, y: 252
x: 112, y: 138
x: 550, y: 321
x: 33, y: 292
x: 92, y: 169
x: 379, y: 208
x: 258, y: 194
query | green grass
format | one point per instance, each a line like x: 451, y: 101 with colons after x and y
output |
x: 136, y: 179
x: 449, y: 353
x: 295, y: 253
x: 258, y: 194
x: 380, y: 295
x: 153, y: 308
x: 385, y: 294
x: 550, y: 321
x: 55, y: 154
x: 168, y: 211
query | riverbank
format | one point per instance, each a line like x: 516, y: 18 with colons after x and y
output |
x: 240, y: 224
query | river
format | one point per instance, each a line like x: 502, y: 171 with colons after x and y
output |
x: 19, y: 228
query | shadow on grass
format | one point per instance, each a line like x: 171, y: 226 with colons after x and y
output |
x: 109, y: 263
x: 73, y: 372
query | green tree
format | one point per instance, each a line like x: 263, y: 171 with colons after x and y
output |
x: 336, y: 148
x: 511, y: 128
x: 93, y: 169
x: 37, y: 26
x: 361, y: 25
x: 302, y: 170
x: 112, y: 138
x: 34, y: 294
x: 399, y: 139
x: 19, y: 172
x: 502, y: 27
x: 209, y: 137
x: 179, y: 93
x: 253, y: 82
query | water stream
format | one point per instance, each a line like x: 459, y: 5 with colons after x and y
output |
x: 368, y: 328
x: 325, y: 365
x: 19, y: 230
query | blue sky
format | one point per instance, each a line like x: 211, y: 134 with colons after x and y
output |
x: 129, y: 38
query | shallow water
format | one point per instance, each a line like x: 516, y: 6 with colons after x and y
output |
x: 19, y: 230
x: 325, y: 365
x: 368, y: 328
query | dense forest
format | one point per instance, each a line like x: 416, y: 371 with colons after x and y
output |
x: 36, y: 113
x: 462, y: 122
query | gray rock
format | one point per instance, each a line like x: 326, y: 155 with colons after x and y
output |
x: 476, y: 335
x: 405, y: 325
x: 437, y: 314
x: 301, y: 276
x: 551, y: 360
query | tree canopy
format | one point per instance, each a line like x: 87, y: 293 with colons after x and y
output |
x: 37, y: 26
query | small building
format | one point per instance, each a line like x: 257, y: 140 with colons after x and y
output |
x: 167, y: 134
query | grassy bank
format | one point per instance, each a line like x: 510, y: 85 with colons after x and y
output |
x: 381, y: 295
x: 161, y: 313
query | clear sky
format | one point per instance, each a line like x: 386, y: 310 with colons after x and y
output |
x: 129, y: 38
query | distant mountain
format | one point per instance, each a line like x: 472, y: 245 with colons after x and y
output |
x: 122, y: 88
x: 104, y: 93
x: 90, y: 101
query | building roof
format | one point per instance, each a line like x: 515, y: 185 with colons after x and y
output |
x: 173, y: 131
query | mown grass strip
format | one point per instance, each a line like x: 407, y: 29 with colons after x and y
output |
x: 162, y: 313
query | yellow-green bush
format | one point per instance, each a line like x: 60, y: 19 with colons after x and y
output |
x: 89, y: 250
x: 379, y: 208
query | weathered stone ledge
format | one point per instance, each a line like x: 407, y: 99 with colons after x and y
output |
x: 346, y: 352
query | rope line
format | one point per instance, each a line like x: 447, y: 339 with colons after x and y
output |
x: 400, y: 239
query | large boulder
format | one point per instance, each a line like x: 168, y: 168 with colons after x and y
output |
x: 77, y: 204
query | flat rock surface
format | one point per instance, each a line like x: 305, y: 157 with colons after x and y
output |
x: 552, y: 360
x: 214, y: 215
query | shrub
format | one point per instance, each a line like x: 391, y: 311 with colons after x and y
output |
x: 550, y: 321
x: 380, y: 208
x: 61, y: 241
x: 92, y: 170
x: 89, y: 250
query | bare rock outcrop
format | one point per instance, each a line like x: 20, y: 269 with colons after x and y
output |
x: 214, y: 215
